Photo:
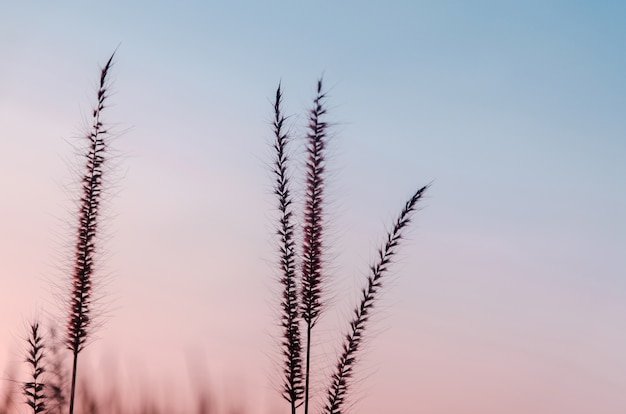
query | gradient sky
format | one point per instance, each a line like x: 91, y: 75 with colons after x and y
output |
x: 510, y: 292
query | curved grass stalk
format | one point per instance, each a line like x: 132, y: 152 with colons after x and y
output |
x: 340, y: 381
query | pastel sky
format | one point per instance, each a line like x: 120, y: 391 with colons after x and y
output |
x: 509, y: 295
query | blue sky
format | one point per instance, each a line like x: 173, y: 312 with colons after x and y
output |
x: 512, y: 281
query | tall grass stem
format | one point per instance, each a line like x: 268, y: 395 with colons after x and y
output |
x: 79, y: 324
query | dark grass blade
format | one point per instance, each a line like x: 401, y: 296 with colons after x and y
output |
x: 292, y: 388
x: 340, y: 381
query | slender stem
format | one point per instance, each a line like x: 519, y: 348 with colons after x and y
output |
x: 73, y: 389
x: 308, y: 365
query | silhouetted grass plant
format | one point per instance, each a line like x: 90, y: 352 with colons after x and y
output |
x: 302, y: 301
x: 340, y: 382
x: 313, y: 234
x: 80, y: 302
x: 292, y: 388
x: 303, y: 276
x: 34, y: 389
x: 80, y: 321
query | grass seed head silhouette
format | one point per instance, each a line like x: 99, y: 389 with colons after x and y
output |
x: 309, y: 294
x: 340, y: 381
x: 34, y: 389
x: 292, y: 388
x: 312, y: 246
x: 80, y: 322
x: 313, y: 208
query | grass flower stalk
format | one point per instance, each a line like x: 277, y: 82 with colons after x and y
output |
x: 312, y: 260
x: 34, y: 389
x: 340, y: 381
x: 292, y: 388
x: 80, y: 321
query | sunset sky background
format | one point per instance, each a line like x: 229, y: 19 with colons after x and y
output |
x: 510, y: 292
